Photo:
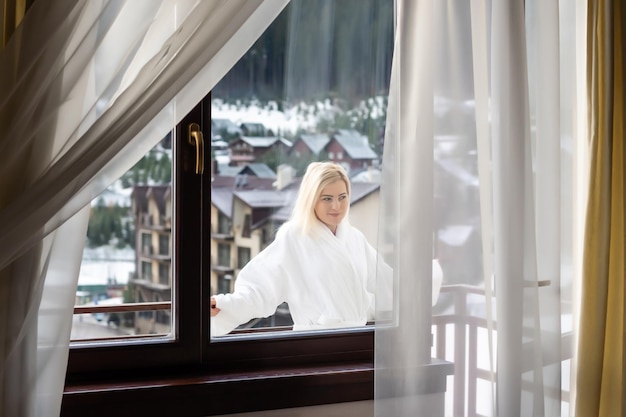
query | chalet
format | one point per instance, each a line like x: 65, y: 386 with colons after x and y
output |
x: 309, y: 145
x: 350, y: 149
x: 247, y: 149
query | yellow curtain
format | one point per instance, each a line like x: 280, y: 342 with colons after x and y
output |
x: 12, y: 14
x: 600, y: 380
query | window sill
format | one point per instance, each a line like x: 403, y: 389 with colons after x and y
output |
x: 200, y: 393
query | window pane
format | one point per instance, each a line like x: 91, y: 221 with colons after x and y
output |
x: 243, y: 256
x: 313, y: 88
x: 127, y: 256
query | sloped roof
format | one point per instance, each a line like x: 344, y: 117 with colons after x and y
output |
x: 264, y: 198
x: 159, y: 192
x: 142, y: 193
x: 139, y: 199
x: 355, y: 144
x: 315, y: 142
x: 361, y: 190
x: 284, y: 213
x: 263, y: 141
x: 253, y: 128
x: 258, y: 169
x: 229, y: 181
x: 222, y: 198
x: 223, y: 187
x: 226, y: 170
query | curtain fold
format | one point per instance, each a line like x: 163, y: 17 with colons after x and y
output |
x: 601, y: 374
x: 479, y: 148
x: 408, y: 130
x: 88, y: 88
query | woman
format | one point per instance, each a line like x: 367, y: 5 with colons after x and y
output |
x: 319, y: 264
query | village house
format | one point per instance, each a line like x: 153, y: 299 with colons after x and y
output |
x: 350, y: 149
x: 247, y: 149
x: 345, y: 146
x: 309, y: 145
x: 151, y: 207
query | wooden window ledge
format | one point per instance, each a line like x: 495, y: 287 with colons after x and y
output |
x: 200, y: 393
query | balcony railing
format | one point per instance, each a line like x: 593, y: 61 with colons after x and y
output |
x: 463, y: 341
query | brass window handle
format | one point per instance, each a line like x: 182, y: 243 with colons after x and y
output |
x: 196, y: 139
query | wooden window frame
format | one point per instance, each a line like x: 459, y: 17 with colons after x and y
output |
x: 151, y: 375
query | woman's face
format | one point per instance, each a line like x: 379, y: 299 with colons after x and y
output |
x: 332, y: 204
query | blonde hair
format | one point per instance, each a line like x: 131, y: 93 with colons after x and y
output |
x: 317, y: 176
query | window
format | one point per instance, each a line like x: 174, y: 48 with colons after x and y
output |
x: 223, y: 224
x: 223, y: 255
x: 164, y: 244
x: 164, y: 274
x: 243, y: 256
x: 146, y: 270
x: 246, y: 226
x: 162, y: 335
x: 146, y: 243
x: 202, y: 262
x: 225, y: 282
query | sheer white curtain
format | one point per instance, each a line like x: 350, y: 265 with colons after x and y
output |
x: 88, y: 88
x: 479, y: 168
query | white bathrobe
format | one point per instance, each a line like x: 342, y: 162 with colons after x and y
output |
x: 328, y: 281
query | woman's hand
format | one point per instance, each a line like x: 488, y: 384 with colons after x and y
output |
x: 214, y: 309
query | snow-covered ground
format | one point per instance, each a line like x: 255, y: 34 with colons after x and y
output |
x: 303, y: 116
x: 104, y: 263
x: 280, y: 122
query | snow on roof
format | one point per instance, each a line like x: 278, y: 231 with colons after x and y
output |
x: 222, y: 198
x: 263, y: 141
x: 259, y: 169
x: 315, y: 142
x: 355, y: 144
x: 264, y: 198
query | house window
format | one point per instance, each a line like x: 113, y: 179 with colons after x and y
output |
x: 146, y: 270
x: 331, y: 155
x: 146, y: 243
x: 243, y: 256
x: 339, y: 155
x: 223, y: 254
x: 223, y: 224
x: 225, y: 283
x: 246, y: 225
x: 164, y: 244
x: 164, y: 273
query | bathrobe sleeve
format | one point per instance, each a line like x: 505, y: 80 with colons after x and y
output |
x: 260, y: 287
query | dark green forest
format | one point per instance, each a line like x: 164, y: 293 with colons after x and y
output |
x: 317, y: 49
